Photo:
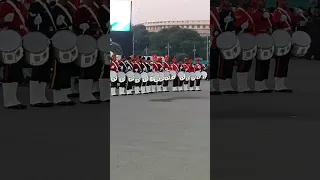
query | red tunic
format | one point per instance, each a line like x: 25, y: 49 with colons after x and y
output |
x: 284, y: 25
x: 160, y: 68
x: 191, y: 68
x: 137, y: 67
x: 198, y: 67
x: 243, y: 17
x: 155, y: 67
x: 166, y: 66
x: 262, y: 25
x: 114, y: 66
x: 17, y: 24
x: 174, y: 67
x: 185, y: 67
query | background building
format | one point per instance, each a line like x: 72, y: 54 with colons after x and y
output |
x: 201, y: 26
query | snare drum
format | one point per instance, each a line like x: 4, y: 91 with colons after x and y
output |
x: 301, y: 42
x: 121, y: 77
x: 130, y: 76
x: 187, y: 76
x: 166, y: 76
x: 137, y: 77
x: 104, y: 48
x: 265, y: 46
x: 65, y: 46
x: 282, y: 42
x: 248, y: 46
x: 113, y: 76
x: 151, y: 76
x: 204, y: 75
x: 155, y: 77
x: 173, y: 74
x: 198, y: 74
x: 192, y: 76
x: 88, y: 52
x: 144, y: 77
x: 161, y: 76
x: 229, y: 45
x: 11, y: 50
x: 181, y: 76
x: 36, y: 47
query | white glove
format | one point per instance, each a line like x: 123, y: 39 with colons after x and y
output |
x: 9, y: 17
x: 37, y: 20
x: 283, y: 18
x: 299, y: 11
x: 303, y: 23
x: 244, y: 25
x: 112, y: 67
x: 228, y: 19
x: 136, y: 70
x: 216, y: 33
x: 84, y: 26
x: 266, y: 15
x: 60, y: 20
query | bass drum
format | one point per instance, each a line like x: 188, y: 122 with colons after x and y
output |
x: 36, y: 46
x: 121, y: 77
x: 173, y: 75
x: 229, y: 45
x: 151, y: 76
x: 130, y: 76
x: 301, y: 42
x: 113, y: 76
x: 282, y: 42
x: 10, y: 47
x: 181, y: 76
x: 88, y: 52
x: 65, y: 46
x: 144, y: 77
x: 204, y: 75
x: 265, y: 46
x: 104, y: 49
x: 187, y: 76
x: 248, y: 46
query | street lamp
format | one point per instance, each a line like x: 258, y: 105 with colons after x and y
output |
x: 168, y: 49
x: 194, y: 51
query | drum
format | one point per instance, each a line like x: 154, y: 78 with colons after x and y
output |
x: 156, y: 77
x: 198, y: 74
x: 192, y: 76
x: 144, y: 77
x: 166, y: 76
x: 301, y: 42
x: 248, y: 46
x: 88, y: 52
x: 121, y: 77
x: 204, y: 75
x: 151, y: 76
x: 173, y: 75
x: 65, y: 46
x: 282, y: 42
x: 36, y: 46
x: 130, y: 76
x: 10, y: 47
x: 113, y: 76
x: 229, y: 45
x: 161, y: 76
x: 181, y: 76
x: 187, y: 76
x: 265, y: 46
x: 104, y: 48
x: 137, y: 77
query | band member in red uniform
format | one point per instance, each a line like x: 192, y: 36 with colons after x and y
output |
x: 175, y: 82
x: 166, y: 68
x: 114, y: 66
x: 155, y: 69
x: 186, y: 67
x: 122, y: 68
x: 129, y: 67
x: 214, y: 51
x: 244, y: 24
x: 227, y: 23
x: 144, y: 68
x: 180, y: 83
x: 191, y: 70
x: 283, y: 19
x: 149, y: 69
x: 262, y: 24
x: 198, y: 67
x: 12, y: 73
x: 160, y: 69
x: 137, y: 69
x: 86, y: 21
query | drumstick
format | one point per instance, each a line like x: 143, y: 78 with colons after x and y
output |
x: 242, y: 30
x: 227, y: 22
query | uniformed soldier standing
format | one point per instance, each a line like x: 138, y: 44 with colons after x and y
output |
x: 137, y: 69
x: 86, y: 22
x: 122, y: 68
x: 149, y: 69
x: 129, y: 66
x: 175, y: 82
x: 155, y: 70
x: 14, y: 20
x: 41, y: 20
x: 166, y: 68
x: 160, y: 69
x: 144, y: 68
x: 198, y: 67
x: 185, y: 69
x: 191, y: 70
x: 61, y: 78
x: 114, y: 66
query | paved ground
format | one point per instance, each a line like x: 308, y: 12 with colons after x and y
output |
x: 161, y: 136
x: 269, y: 136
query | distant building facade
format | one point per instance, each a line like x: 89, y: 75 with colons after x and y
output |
x: 201, y: 26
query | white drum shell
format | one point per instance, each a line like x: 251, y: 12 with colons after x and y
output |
x: 282, y: 42
x: 113, y: 76
x: 248, y: 46
x: 156, y: 77
x: 104, y: 49
x: 151, y: 76
x: 265, y: 46
x: 198, y: 74
x: 144, y: 77
x: 167, y: 76
x: 161, y: 76
x: 192, y: 76
x: 121, y: 77
x: 41, y: 55
x: 173, y: 74
x: 187, y: 76
x: 88, y: 51
x: 137, y: 77
x: 11, y: 50
x: 204, y: 75
x: 229, y: 45
x: 65, y: 46
x: 181, y: 76
x: 301, y: 42
x: 130, y: 76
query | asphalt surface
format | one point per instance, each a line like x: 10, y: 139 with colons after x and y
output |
x: 269, y: 136
x: 161, y: 136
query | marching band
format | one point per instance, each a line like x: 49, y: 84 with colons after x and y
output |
x: 59, y: 41
x: 250, y: 33
x: 138, y: 75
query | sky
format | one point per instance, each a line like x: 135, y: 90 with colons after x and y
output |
x: 169, y: 10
